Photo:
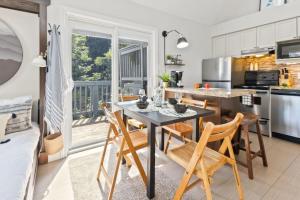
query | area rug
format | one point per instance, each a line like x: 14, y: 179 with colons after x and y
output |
x: 129, y: 185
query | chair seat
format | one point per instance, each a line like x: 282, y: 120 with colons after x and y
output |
x: 138, y: 138
x: 249, y: 119
x: 180, y: 129
x: 136, y: 123
x: 183, y: 154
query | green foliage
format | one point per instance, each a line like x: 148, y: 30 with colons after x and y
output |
x: 165, y: 77
x: 91, y: 58
x: 169, y: 57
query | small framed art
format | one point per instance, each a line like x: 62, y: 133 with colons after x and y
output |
x: 270, y: 3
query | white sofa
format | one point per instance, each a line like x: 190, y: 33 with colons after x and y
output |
x: 18, y: 164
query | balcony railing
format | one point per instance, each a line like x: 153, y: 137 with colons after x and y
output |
x: 132, y: 76
x: 87, y: 95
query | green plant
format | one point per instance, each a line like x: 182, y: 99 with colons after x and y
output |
x: 169, y: 57
x: 165, y: 77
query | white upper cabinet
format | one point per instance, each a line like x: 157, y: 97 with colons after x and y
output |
x: 286, y: 30
x: 248, y: 39
x: 219, y: 46
x: 266, y: 35
x: 233, y: 44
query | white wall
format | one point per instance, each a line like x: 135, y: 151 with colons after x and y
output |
x: 197, y: 35
x: 26, y: 80
x: 266, y: 16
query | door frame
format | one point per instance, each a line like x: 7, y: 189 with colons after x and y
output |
x: 102, y: 24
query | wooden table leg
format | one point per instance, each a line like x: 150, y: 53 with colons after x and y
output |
x: 151, y: 162
x: 125, y: 122
x: 196, y: 129
x: 162, y: 140
x: 124, y: 118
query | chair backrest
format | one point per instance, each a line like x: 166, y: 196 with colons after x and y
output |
x: 226, y: 132
x: 214, y: 133
x: 129, y: 97
x: 196, y: 103
x: 114, y: 124
x: 117, y: 124
x: 192, y: 102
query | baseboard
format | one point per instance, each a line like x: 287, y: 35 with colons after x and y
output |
x: 286, y: 137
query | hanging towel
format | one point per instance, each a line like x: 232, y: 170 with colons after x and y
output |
x: 56, y: 84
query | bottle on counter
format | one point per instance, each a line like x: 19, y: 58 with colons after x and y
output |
x: 256, y: 66
x: 251, y: 67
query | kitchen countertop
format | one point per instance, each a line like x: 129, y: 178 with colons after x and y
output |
x: 213, y: 92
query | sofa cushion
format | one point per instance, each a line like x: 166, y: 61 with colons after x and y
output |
x: 20, y: 111
x: 3, y: 122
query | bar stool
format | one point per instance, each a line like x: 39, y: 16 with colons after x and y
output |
x: 249, y: 120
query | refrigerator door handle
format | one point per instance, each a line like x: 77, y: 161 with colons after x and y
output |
x: 225, y: 81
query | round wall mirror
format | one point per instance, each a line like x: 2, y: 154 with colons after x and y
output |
x: 11, y: 53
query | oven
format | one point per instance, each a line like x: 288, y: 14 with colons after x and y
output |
x: 288, y: 52
x: 259, y: 104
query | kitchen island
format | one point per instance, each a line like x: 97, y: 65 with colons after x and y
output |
x: 222, y: 101
x: 213, y: 92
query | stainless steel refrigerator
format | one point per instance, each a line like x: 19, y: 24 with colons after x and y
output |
x: 223, y: 72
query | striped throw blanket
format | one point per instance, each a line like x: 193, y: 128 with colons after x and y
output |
x: 56, y: 85
x: 20, y: 110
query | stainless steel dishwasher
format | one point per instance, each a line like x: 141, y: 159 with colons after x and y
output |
x: 285, y: 114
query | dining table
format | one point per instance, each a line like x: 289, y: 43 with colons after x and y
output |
x: 155, y: 117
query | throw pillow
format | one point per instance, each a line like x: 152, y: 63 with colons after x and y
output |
x: 20, y: 113
x: 3, y: 122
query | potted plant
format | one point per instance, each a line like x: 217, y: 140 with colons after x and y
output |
x: 169, y: 59
x: 165, y: 77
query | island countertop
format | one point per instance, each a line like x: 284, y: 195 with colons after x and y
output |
x: 213, y: 92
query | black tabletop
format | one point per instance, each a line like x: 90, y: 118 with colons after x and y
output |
x: 159, y: 119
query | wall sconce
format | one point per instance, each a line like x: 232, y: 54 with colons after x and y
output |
x: 181, y: 42
x: 39, y: 61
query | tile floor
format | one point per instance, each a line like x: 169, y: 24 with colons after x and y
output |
x: 280, y: 181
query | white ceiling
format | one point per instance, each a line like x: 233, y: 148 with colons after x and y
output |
x: 203, y: 11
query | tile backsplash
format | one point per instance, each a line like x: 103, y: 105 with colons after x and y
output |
x: 268, y: 63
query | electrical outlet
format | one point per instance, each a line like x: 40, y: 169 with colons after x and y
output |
x: 298, y: 75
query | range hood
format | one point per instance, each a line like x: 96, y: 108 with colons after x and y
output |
x: 258, y: 51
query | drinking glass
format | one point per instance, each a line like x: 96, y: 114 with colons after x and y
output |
x: 142, y: 92
x: 178, y: 96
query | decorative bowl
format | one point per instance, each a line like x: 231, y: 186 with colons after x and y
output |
x: 180, y: 108
x: 172, y: 101
x: 142, y: 105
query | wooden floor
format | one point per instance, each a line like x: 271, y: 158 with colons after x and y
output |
x: 88, y: 130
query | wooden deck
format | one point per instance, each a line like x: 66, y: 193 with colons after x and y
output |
x: 88, y: 130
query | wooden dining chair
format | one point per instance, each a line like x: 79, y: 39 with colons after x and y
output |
x: 199, y: 160
x: 127, y: 143
x: 184, y: 129
x: 132, y: 122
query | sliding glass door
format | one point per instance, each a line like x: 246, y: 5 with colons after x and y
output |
x: 92, y: 76
x: 106, y: 61
x: 133, y: 66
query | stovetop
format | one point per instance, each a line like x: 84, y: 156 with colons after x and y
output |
x: 254, y: 87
